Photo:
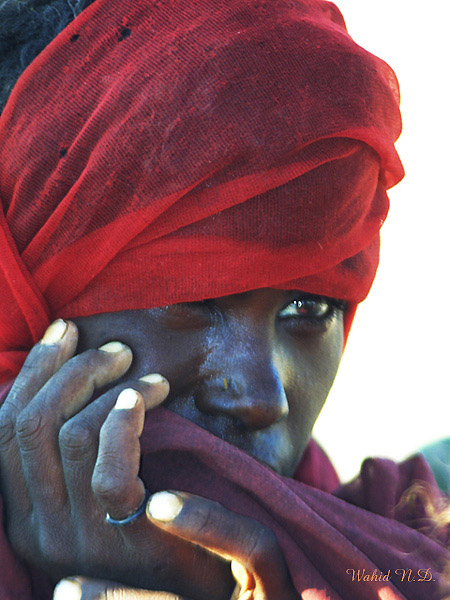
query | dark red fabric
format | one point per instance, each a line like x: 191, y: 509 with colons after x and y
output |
x: 316, y: 469
x: 159, y: 152
x: 321, y: 535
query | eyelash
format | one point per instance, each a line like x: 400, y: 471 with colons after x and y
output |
x: 334, y: 308
x: 303, y: 322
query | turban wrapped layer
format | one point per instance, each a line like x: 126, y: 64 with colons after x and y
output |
x: 162, y: 152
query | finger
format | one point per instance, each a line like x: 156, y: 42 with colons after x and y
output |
x: 43, y: 361
x: 115, y: 478
x: 56, y: 346
x: 257, y: 561
x: 83, y: 588
x: 38, y: 425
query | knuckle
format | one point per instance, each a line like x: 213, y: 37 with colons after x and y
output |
x: 7, y: 428
x: 262, y: 546
x: 39, y: 365
x: 75, y: 439
x: 33, y: 364
x: 207, y: 519
x: 110, y: 481
x: 29, y: 429
x: 30, y: 367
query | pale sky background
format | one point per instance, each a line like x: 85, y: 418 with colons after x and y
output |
x: 392, y: 394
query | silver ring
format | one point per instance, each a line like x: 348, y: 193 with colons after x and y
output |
x: 140, y: 511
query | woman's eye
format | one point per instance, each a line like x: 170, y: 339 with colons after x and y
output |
x: 312, y: 309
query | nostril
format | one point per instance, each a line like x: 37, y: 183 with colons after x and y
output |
x: 231, y: 386
x: 217, y: 394
x: 259, y: 413
x: 257, y: 407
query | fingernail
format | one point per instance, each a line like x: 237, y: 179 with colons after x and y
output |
x: 164, y: 506
x: 67, y: 590
x: 153, y: 378
x: 113, y: 347
x: 127, y: 399
x: 55, y: 332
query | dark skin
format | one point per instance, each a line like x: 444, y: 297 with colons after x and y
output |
x: 252, y: 368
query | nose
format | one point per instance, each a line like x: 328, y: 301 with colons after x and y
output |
x: 251, y: 393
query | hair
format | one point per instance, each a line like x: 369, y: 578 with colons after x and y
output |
x: 26, y: 28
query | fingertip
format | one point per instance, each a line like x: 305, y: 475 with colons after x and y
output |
x: 154, y: 379
x: 155, y: 390
x: 68, y: 589
x: 192, y: 518
x: 72, y: 331
x: 164, y: 507
x: 55, y: 333
x: 114, y: 347
x: 127, y: 399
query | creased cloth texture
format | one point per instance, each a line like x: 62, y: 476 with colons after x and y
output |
x: 160, y: 152
x: 324, y: 539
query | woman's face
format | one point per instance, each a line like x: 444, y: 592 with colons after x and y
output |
x: 253, y: 368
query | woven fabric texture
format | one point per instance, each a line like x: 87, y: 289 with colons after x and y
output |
x: 160, y: 152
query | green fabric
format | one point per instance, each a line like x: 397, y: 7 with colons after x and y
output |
x: 438, y: 457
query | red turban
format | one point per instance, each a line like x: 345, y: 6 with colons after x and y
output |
x: 160, y: 152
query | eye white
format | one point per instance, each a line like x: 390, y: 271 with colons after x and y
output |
x: 305, y: 308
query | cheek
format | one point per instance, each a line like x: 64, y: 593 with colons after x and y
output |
x: 175, y: 355
x: 327, y: 359
x: 313, y: 364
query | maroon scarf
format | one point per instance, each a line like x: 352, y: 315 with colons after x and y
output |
x: 337, y: 546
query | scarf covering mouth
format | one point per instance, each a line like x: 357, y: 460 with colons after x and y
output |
x: 168, y: 151
x: 356, y: 543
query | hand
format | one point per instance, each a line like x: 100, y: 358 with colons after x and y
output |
x: 256, y: 559
x: 257, y: 562
x: 55, y: 502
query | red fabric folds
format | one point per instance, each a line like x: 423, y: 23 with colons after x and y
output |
x: 157, y: 152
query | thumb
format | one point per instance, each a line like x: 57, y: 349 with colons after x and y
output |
x: 83, y: 588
